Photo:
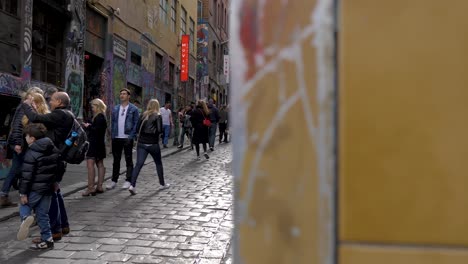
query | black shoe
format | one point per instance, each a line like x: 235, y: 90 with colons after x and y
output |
x: 206, y: 156
x: 43, y: 245
x: 180, y: 146
x: 211, y: 148
x: 164, y: 146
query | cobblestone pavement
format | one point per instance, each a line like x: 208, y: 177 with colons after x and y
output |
x: 190, y: 222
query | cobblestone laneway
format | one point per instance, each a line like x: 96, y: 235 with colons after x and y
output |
x: 188, y: 223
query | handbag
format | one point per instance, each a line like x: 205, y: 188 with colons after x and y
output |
x: 206, y: 121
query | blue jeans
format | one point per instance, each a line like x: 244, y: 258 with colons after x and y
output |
x: 167, y: 129
x: 142, y: 153
x: 213, y: 128
x: 57, y: 213
x: 40, y: 204
x: 16, y: 164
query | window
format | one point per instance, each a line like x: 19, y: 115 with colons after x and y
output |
x: 135, y: 58
x: 183, y: 22
x: 200, y: 10
x: 214, y: 54
x: 173, y: 16
x: 215, y: 12
x: 9, y: 6
x: 221, y: 22
x: 47, y: 45
x: 159, y: 68
x: 192, y: 34
x: 163, y: 12
x: 171, y: 73
x: 218, y: 23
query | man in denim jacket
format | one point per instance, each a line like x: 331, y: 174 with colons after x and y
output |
x: 124, y: 124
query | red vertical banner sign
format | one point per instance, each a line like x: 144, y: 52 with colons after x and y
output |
x: 184, y: 58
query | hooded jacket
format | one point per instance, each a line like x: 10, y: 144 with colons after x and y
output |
x: 39, y: 168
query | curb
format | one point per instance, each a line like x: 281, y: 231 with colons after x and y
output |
x: 71, y: 189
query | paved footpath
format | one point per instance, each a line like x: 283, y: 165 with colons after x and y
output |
x: 190, y: 222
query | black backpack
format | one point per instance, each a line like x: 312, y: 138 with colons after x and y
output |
x: 77, y: 145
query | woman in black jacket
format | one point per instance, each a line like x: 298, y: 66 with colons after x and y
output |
x: 149, y: 129
x: 16, y: 141
x: 97, y: 147
x: 201, y: 131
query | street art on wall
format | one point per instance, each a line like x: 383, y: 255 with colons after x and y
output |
x: 148, y: 87
x: 165, y: 69
x: 119, y: 78
x: 134, y: 74
x: 10, y: 84
x: 202, y: 52
x: 75, y: 89
x: 27, y: 41
x: 106, y: 81
x: 74, y: 72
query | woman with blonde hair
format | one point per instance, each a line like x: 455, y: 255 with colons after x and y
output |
x: 97, y: 147
x: 201, y: 129
x: 149, y: 129
x: 16, y: 141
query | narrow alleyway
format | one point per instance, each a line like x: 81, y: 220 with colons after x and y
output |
x: 190, y: 222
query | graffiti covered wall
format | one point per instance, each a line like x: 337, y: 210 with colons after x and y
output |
x: 202, y: 55
x: 74, y: 71
x: 27, y: 40
x: 119, y: 77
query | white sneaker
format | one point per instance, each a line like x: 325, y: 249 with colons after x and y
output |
x: 111, y: 185
x: 126, y: 185
x: 23, y: 231
x: 198, y: 158
x: 132, y: 190
x: 165, y: 186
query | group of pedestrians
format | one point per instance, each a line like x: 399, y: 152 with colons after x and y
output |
x: 39, y: 130
x: 37, y: 141
x: 195, y: 126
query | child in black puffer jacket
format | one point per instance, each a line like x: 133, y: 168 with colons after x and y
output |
x: 37, y: 183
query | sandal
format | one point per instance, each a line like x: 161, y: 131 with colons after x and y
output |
x: 99, y: 189
x: 89, y: 192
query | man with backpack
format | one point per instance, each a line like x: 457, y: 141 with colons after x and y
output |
x: 58, y: 123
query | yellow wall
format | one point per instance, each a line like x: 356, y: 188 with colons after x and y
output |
x: 285, y: 197
x: 403, y: 143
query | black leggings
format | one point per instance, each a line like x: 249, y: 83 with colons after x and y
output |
x: 197, y: 148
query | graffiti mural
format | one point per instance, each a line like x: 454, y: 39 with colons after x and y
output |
x: 202, y: 51
x: 165, y: 69
x: 134, y: 74
x: 148, y: 87
x: 10, y: 84
x: 119, y: 77
x: 27, y: 41
x: 106, y: 81
x: 74, y: 59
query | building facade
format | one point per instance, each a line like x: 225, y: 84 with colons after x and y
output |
x: 140, y: 48
x: 213, y: 40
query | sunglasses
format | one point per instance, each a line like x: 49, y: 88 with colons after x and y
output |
x: 123, y: 112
